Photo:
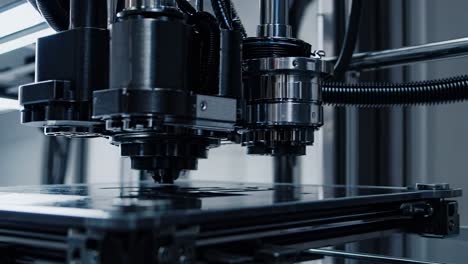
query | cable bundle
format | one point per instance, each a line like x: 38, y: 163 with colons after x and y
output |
x: 364, y: 94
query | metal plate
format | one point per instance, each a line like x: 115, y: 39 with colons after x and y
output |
x: 142, y: 204
x: 416, y: 249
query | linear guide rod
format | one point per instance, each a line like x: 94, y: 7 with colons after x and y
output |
x: 407, y: 55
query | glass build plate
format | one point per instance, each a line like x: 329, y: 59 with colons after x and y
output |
x: 147, y: 203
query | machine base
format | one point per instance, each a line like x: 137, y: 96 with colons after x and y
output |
x: 210, y: 222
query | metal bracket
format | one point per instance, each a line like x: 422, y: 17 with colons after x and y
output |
x: 435, y: 219
x: 142, y: 246
x: 432, y: 187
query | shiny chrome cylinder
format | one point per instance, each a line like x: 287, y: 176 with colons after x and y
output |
x: 284, y: 91
x: 149, y: 4
x: 284, y: 104
x: 274, y: 19
x: 274, y: 11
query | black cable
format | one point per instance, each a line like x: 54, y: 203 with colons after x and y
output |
x: 236, y: 21
x: 209, y: 33
x: 65, y: 7
x: 227, y: 16
x: 220, y: 11
x: 186, y: 7
x: 55, y: 12
x: 364, y: 94
x: 226, y: 6
x: 381, y: 94
x: 350, y: 39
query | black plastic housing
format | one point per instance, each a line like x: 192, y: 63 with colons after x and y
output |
x: 70, y: 66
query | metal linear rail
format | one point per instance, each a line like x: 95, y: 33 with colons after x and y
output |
x: 407, y: 55
x: 366, y: 257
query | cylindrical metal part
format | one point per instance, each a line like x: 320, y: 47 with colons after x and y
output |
x: 407, y: 55
x: 274, y: 11
x: 284, y: 92
x: 274, y: 17
x: 88, y: 13
x: 284, y: 104
x: 150, y: 53
x: 230, y: 66
x: 149, y: 4
x: 286, y: 169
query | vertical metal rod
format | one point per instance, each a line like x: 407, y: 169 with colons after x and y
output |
x: 81, y: 160
x: 274, y: 11
x: 274, y: 19
x: 200, y: 5
x: 287, y: 169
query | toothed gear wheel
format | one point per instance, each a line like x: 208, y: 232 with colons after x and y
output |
x: 278, y: 141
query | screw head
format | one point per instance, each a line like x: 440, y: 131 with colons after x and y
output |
x: 203, y: 105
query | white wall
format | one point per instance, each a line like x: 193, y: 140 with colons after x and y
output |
x: 104, y: 162
x: 438, y: 134
x: 21, y: 151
